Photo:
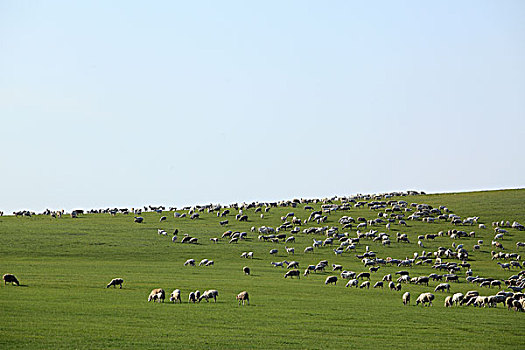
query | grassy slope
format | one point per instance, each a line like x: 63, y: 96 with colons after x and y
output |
x: 66, y: 263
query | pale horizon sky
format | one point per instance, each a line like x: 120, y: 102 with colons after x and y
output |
x: 126, y: 103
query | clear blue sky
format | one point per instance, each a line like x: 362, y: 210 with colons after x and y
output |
x: 128, y: 103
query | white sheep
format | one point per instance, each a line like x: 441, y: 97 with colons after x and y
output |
x: 208, y: 294
x: 10, y: 278
x: 157, y: 295
x: 190, y: 262
x: 175, y: 295
x: 203, y: 262
x: 448, y: 301
x: 243, y: 297
x: 406, y: 298
x: 425, y: 298
x: 352, y: 283
x: 115, y: 282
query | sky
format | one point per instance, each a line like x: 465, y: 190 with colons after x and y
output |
x: 132, y: 103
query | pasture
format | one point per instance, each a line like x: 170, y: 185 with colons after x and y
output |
x: 64, y: 264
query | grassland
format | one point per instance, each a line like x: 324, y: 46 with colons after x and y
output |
x: 64, y: 265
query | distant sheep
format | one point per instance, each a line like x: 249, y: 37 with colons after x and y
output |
x: 157, y: 295
x: 406, y: 298
x: 175, y: 296
x: 115, y: 282
x: 190, y: 262
x: 442, y: 287
x: 246, y: 270
x: 9, y: 278
x: 448, y: 301
x: 292, y: 273
x: 330, y: 280
x: 208, y: 294
x: 192, y: 298
x: 243, y: 297
x: 365, y: 284
x: 425, y: 298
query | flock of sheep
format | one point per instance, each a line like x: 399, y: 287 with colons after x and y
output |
x: 349, y: 236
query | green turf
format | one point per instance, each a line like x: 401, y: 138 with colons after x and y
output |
x: 64, y: 265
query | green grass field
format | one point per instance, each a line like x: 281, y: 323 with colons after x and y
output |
x: 64, y: 265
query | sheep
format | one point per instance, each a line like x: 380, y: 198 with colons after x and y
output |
x: 308, y: 249
x: 364, y: 275
x: 378, y: 284
x: 392, y: 285
x: 157, y: 295
x: 214, y: 240
x: 208, y: 294
x: 190, y: 262
x: 192, y: 297
x: 448, y: 301
x: 246, y: 270
x: 114, y: 282
x: 138, y: 219
x: 10, y: 278
x: 336, y: 267
x: 398, y: 287
x: 406, y: 298
x: 277, y: 264
x: 365, y: 284
x: 243, y: 297
x: 457, y: 298
x: 293, y: 273
x: 273, y: 251
x: 210, y: 263
x: 249, y: 255
x: 352, y: 282
x: 387, y: 277
x: 175, y: 295
x: 330, y: 280
x: 203, y: 262
x: 425, y: 298
x: 290, y: 250
x: 347, y: 274
x: 442, y: 287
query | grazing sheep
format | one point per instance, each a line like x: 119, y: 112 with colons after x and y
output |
x: 387, y: 277
x: 442, y: 287
x: 243, y: 297
x: 457, y: 298
x: 352, y: 282
x: 293, y: 273
x: 9, y: 278
x: 425, y: 298
x: 398, y: 287
x: 364, y: 275
x: 246, y: 270
x: 190, y: 262
x: 308, y: 249
x: 210, y: 263
x: 175, y: 295
x: 392, y: 285
x: 157, y: 295
x: 114, y: 282
x: 365, y: 284
x: 330, y: 280
x: 448, y: 301
x: 138, y: 219
x: 406, y: 298
x: 214, y: 240
x: 290, y: 250
x: 378, y: 284
x: 192, y: 298
x: 203, y: 262
x: 273, y: 251
x: 336, y: 267
x: 208, y: 294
